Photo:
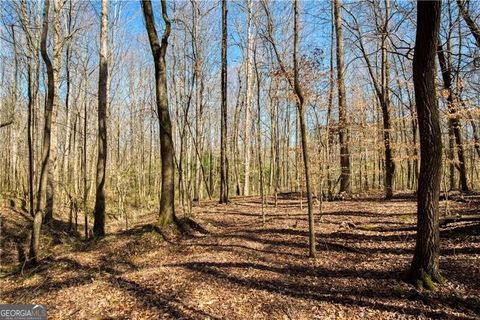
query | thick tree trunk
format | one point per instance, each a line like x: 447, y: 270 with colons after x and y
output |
x: 343, y: 135
x: 167, y: 193
x: 425, y: 265
x: 52, y: 166
x: 99, y: 211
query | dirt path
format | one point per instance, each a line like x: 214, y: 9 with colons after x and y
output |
x: 241, y: 270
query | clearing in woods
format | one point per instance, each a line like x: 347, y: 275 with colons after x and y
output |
x: 230, y: 267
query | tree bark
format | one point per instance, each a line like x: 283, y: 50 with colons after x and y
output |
x: 385, y: 104
x: 303, y: 131
x: 248, y: 100
x: 167, y: 193
x: 223, y: 115
x: 41, y: 195
x: 30, y: 142
x: 259, y: 139
x: 425, y: 264
x: 57, y: 60
x: 343, y: 134
x: 99, y: 210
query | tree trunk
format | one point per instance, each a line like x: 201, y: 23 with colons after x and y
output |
x: 57, y: 60
x: 196, y: 47
x: 425, y: 264
x: 167, y: 194
x: 248, y: 99
x: 454, y: 121
x: 385, y: 104
x: 259, y: 140
x: 41, y: 195
x: 99, y: 211
x: 84, y: 158
x: 223, y: 114
x: 303, y: 131
x: 343, y: 135
x: 31, y: 144
x: 382, y: 93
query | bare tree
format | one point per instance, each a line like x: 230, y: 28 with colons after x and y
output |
x: 300, y: 102
x: 474, y: 28
x: 303, y: 129
x: 167, y: 196
x: 41, y: 196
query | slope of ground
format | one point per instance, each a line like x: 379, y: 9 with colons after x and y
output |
x: 238, y: 269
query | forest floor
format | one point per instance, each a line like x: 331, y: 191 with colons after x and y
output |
x: 231, y: 267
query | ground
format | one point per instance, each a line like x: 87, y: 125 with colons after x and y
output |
x: 229, y: 266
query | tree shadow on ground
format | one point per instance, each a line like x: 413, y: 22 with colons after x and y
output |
x: 168, y: 304
x: 234, y: 247
x: 333, y: 244
x: 357, y: 296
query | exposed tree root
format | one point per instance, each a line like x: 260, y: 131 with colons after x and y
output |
x: 424, y: 280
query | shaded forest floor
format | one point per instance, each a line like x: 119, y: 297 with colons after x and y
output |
x: 233, y: 268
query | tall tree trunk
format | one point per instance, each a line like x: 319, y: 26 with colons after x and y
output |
x: 385, y: 104
x: 342, y: 103
x: 31, y: 144
x: 167, y: 196
x: 303, y: 130
x: 41, y: 195
x: 196, y: 47
x: 383, y: 95
x: 425, y: 264
x: 57, y: 59
x: 223, y: 115
x: 99, y: 211
x: 259, y: 139
x: 454, y: 121
x: 297, y: 88
x: 84, y: 156
x: 329, y: 109
x: 248, y: 99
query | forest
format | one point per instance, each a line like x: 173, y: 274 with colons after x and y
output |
x: 240, y: 159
